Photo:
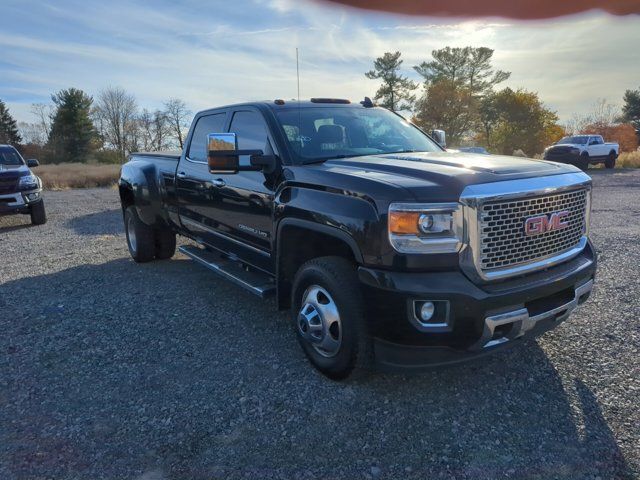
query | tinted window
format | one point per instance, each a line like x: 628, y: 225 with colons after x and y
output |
x: 251, y: 132
x: 205, y: 126
x: 327, y: 132
x: 8, y: 156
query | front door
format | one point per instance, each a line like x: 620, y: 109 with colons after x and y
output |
x: 244, y: 214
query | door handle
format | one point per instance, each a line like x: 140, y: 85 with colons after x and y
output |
x: 181, y: 175
x: 218, y: 182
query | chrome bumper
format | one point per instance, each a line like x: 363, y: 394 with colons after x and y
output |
x: 522, y: 322
x: 18, y: 200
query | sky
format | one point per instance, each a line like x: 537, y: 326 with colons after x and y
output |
x: 212, y: 53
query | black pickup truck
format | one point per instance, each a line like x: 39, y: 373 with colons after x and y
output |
x: 389, y: 251
x: 20, y: 189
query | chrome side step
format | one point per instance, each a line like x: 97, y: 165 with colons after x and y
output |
x: 257, y: 283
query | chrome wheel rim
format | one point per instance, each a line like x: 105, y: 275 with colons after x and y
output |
x: 131, y: 235
x: 319, y: 321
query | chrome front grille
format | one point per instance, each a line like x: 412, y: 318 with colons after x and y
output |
x: 502, y: 238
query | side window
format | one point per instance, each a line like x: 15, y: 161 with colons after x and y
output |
x: 251, y: 131
x: 205, y: 126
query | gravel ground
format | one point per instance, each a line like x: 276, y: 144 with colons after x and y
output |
x: 109, y: 369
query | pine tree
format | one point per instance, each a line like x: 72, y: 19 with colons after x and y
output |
x: 396, y: 89
x: 72, y: 136
x: 8, y: 127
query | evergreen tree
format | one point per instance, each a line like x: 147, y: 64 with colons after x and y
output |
x: 72, y: 136
x: 467, y: 67
x: 396, y: 89
x: 8, y: 127
x: 631, y: 108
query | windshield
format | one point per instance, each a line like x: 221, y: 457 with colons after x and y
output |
x: 9, y: 157
x: 574, y: 140
x: 321, y: 133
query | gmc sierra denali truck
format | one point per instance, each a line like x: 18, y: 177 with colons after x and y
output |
x: 388, y: 250
x: 583, y: 150
x: 20, y: 189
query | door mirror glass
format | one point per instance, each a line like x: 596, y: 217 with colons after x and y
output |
x: 440, y: 137
x: 223, y: 154
x: 32, y: 163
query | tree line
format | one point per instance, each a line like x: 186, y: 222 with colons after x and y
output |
x: 75, y: 127
x: 459, y: 94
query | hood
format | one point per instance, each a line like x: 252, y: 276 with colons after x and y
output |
x: 443, y: 175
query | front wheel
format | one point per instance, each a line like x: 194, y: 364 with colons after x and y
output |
x: 38, y: 213
x: 610, y: 162
x: 328, y: 317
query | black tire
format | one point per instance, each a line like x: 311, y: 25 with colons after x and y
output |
x: 140, y: 237
x: 38, y: 213
x: 165, y: 241
x: 337, y: 277
x: 583, y: 163
x: 610, y: 162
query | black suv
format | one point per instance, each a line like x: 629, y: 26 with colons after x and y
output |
x: 386, y: 248
x: 20, y: 189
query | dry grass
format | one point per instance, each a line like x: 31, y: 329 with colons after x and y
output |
x: 628, y: 160
x: 63, y: 176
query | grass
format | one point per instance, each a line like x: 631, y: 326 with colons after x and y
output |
x: 629, y: 160
x: 63, y: 176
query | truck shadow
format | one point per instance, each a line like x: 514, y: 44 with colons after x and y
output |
x: 107, y: 222
x: 121, y: 367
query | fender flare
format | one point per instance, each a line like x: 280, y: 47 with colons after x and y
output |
x: 324, y: 229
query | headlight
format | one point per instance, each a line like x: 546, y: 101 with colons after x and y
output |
x: 425, y: 227
x: 28, y: 181
x: 575, y: 151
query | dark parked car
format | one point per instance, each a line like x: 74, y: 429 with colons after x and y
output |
x: 20, y: 189
x: 478, y: 150
x: 387, y: 249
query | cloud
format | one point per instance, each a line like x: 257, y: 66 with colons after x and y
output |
x: 228, y: 52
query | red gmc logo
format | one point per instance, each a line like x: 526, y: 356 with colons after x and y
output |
x: 543, y: 223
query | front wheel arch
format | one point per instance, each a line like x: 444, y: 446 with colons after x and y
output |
x: 299, y: 241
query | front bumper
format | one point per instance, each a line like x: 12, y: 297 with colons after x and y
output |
x: 481, y: 319
x: 19, y: 202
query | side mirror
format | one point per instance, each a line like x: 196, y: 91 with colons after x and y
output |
x: 224, y: 156
x: 440, y: 137
x: 32, y: 163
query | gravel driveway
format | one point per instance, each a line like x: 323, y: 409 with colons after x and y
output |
x: 109, y: 369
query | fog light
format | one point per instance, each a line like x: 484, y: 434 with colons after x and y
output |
x: 33, y: 196
x: 427, y: 310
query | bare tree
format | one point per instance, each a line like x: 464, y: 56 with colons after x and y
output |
x: 32, y: 133
x: 154, y: 130
x: 44, y: 113
x: 602, y: 114
x: 179, y: 116
x: 116, y: 111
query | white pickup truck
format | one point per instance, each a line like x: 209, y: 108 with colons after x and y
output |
x: 582, y: 150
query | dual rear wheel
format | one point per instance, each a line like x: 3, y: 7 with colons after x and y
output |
x: 146, y: 243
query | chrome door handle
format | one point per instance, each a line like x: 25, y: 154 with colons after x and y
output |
x: 181, y: 175
x: 218, y: 182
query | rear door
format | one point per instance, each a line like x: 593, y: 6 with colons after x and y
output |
x: 195, y: 190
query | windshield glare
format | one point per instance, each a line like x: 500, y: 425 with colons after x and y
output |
x: 328, y: 132
x: 574, y: 140
x: 9, y: 157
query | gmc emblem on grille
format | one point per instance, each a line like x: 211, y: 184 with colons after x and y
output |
x: 546, y: 223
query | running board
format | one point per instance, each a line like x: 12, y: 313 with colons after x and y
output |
x: 257, y: 283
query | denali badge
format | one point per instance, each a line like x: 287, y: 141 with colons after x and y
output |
x: 543, y: 223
